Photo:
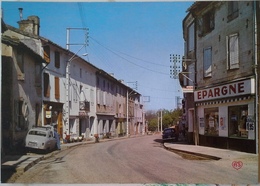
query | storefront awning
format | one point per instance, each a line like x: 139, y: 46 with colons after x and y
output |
x: 231, y: 100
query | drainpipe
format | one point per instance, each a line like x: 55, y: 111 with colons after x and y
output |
x: 196, y: 123
x: 256, y: 75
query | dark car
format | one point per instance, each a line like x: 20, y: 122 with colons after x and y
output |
x: 170, y: 134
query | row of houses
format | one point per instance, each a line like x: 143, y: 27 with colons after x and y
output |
x: 45, y: 84
x: 220, y: 75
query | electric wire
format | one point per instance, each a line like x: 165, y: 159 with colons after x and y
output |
x: 103, y: 57
x: 127, y: 59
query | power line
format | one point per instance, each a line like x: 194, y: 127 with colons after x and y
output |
x: 127, y: 59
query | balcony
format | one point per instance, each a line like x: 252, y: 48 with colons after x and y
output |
x: 84, y: 106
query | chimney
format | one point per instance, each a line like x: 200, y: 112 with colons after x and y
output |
x: 31, y: 25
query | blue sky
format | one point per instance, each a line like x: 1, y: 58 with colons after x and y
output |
x: 132, y: 40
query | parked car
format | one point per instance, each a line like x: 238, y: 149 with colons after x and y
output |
x: 170, y: 134
x: 41, y: 138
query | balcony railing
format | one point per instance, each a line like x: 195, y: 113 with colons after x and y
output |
x: 84, y: 106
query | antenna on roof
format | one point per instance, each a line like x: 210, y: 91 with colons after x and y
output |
x: 21, y: 13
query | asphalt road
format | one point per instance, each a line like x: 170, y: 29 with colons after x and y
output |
x: 133, y: 160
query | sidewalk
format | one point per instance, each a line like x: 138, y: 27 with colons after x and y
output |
x: 211, y: 153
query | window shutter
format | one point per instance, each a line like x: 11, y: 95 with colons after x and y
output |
x: 46, y: 85
x: 233, y: 52
x: 57, y: 88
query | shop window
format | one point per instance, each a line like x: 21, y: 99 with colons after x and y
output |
x: 232, y: 52
x: 232, y: 10
x: 237, y: 116
x: 207, y: 61
x: 211, y: 121
x: 57, y: 59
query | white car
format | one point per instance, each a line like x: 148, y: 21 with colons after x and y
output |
x: 41, y: 138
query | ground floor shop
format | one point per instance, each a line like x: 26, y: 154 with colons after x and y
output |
x: 52, y: 115
x: 81, y: 127
x: 226, y: 116
x: 106, y: 126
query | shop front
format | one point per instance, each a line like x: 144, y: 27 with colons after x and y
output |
x: 226, y: 116
x: 53, y: 115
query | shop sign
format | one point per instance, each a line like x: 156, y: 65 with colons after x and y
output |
x: 188, y: 89
x: 250, y: 123
x: 225, y: 91
x: 48, y: 114
x: 222, y: 123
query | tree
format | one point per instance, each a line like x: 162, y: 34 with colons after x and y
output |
x: 169, y: 118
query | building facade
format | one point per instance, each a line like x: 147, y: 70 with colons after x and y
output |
x: 188, y: 76
x: 226, y: 80
x: 54, y: 86
x: 21, y: 87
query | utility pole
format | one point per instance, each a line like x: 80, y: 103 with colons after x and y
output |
x: 161, y: 120
x: 67, y: 84
x: 158, y: 122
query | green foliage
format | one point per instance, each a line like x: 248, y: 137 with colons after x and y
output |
x: 169, y: 118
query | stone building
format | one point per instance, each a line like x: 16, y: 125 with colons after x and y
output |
x: 21, y: 87
x: 224, y: 37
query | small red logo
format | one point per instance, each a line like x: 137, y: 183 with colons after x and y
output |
x: 237, y: 164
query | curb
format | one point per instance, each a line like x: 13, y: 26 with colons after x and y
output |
x: 22, y: 169
x: 198, y: 156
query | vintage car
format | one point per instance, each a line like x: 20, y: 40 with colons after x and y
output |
x: 170, y: 134
x: 41, y: 138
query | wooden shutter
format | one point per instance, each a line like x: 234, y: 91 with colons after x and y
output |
x: 57, y: 87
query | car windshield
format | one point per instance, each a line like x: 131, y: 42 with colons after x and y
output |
x: 168, y: 130
x: 38, y: 133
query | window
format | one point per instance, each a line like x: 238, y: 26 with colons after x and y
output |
x: 57, y: 59
x: 74, y: 92
x: 37, y: 113
x: 207, y: 61
x: 57, y: 88
x: 46, y: 85
x: 237, y: 116
x: 232, y: 10
x: 80, y: 72
x: 191, y: 38
x: 47, y: 53
x: 97, y: 81
x: 232, y: 52
x: 37, y: 75
x: 21, y: 114
x: 20, y: 60
x: 211, y: 121
x: 206, y: 23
